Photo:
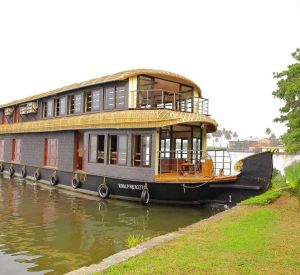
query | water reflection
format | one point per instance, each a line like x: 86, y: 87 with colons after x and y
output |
x: 44, y: 230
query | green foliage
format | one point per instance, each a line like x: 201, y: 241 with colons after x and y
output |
x: 289, y: 91
x: 134, y: 240
x: 279, y: 182
x: 263, y: 199
x: 276, y: 172
x: 292, y: 173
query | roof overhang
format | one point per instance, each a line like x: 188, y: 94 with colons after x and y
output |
x: 127, y: 119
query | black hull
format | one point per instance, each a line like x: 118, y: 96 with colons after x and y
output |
x: 254, y: 179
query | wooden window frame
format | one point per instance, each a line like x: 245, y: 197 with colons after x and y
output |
x: 180, y: 155
x: 44, y: 113
x: 71, y: 104
x: 117, y: 152
x: 141, y: 150
x: 16, y: 150
x: 3, y: 117
x: 16, y: 117
x: 2, y: 146
x: 97, y: 145
x: 57, y: 107
x: 48, y: 158
x: 88, y: 101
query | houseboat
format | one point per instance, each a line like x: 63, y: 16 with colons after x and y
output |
x: 135, y: 135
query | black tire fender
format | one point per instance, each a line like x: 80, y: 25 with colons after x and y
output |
x: 76, y: 182
x: 11, y: 171
x: 145, y: 197
x: 103, y: 191
x: 1, y: 167
x: 23, y: 172
x: 53, y: 180
x: 37, y: 175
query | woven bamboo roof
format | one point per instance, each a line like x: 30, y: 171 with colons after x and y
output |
x: 106, y: 120
x: 105, y: 79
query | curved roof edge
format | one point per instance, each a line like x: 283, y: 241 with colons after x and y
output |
x: 111, y: 120
x: 105, y: 79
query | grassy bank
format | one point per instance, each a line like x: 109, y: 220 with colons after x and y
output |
x: 248, y: 239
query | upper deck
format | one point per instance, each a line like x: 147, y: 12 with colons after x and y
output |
x: 142, y: 94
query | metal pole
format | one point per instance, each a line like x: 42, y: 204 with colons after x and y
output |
x: 177, y: 165
x: 147, y: 99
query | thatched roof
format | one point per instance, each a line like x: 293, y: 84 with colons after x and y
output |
x: 127, y: 119
x: 105, y: 79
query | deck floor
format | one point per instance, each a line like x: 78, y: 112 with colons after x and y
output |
x: 173, y: 177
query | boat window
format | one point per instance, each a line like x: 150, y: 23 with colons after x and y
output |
x: 44, y: 109
x: 96, y: 100
x: 16, y: 150
x: 141, y: 150
x: 145, y: 83
x: 165, y: 147
x: 196, y: 150
x: 181, y: 147
x: 96, y: 148
x: 62, y: 107
x: 51, y: 152
x: 50, y: 108
x: 71, y: 104
x: 1, y: 149
x: 118, y: 149
x: 88, y: 102
x: 160, y: 84
x: 120, y: 98
x: 114, y: 98
x: 57, y: 107
x: 78, y: 99
x: 109, y: 98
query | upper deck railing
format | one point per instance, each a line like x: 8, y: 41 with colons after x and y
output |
x: 163, y: 99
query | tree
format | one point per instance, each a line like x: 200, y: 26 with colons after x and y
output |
x: 235, y: 135
x: 289, y: 91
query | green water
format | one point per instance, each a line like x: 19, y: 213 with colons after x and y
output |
x: 45, y: 230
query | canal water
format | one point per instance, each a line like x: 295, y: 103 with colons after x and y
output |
x: 46, y: 230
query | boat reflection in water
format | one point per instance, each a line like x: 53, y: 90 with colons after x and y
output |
x: 45, y: 230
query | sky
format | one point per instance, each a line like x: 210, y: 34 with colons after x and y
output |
x: 229, y: 48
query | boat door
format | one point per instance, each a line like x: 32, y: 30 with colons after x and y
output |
x: 79, y: 151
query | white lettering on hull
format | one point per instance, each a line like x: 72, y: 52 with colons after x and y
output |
x: 130, y: 186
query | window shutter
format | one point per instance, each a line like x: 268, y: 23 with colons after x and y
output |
x: 120, y: 97
x: 63, y: 106
x: 50, y: 108
x: 96, y: 100
x: 78, y: 103
x: 109, y: 98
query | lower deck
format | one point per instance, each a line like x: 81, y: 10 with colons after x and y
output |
x: 174, y: 177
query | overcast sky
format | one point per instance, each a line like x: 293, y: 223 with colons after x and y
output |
x: 230, y: 48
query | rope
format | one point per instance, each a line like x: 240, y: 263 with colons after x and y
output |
x: 198, y: 186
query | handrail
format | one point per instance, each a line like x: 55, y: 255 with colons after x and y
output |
x: 165, y: 99
x: 171, y: 160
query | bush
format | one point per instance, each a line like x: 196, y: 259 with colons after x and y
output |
x: 278, y: 182
x: 263, y: 199
x: 276, y: 172
x: 134, y: 240
x: 292, y: 173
